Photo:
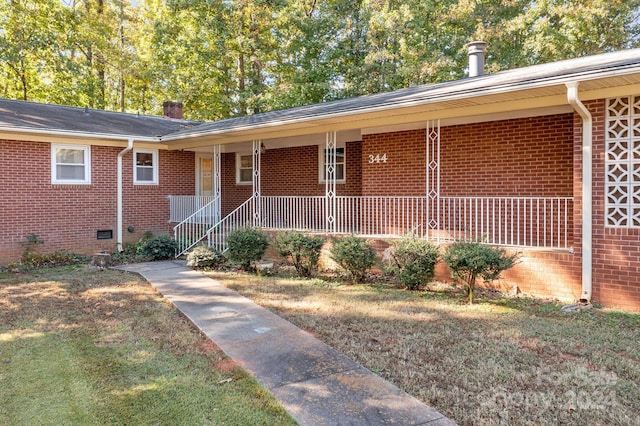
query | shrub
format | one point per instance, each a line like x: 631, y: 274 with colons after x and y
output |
x: 204, y: 257
x: 158, y: 248
x: 246, y: 246
x: 470, y: 260
x: 415, y: 261
x: 31, y: 243
x: 354, y: 255
x: 300, y: 249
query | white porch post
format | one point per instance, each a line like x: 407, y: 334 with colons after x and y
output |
x: 257, y: 214
x: 330, y: 181
x: 216, y: 181
x: 433, y: 178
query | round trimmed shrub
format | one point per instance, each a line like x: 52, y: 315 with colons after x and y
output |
x: 354, y: 255
x: 415, y: 261
x: 202, y: 257
x: 159, y: 247
x: 246, y: 246
x: 303, y: 251
x: 469, y: 260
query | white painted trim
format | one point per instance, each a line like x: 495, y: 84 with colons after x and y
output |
x: 86, y: 151
x: 155, y: 166
x: 573, y: 98
x: 238, y: 155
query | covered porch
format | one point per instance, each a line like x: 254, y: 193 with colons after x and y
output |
x: 522, y: 220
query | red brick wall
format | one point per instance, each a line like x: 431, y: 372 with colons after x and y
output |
x: 68, y: 216
x: 521, y: 157
x: 289, y: 171
x: 616, y: 252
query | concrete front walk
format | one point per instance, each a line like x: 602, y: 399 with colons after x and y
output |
x: 316, y: 384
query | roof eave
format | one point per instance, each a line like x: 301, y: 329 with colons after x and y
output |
x: 73, y: 135
x: 180, y: 141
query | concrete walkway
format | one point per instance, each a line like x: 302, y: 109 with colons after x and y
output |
x: 316, y: 384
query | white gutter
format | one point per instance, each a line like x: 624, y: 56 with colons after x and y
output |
x: 71, y: 134
x: 587, y: 186
x: 119, y: 194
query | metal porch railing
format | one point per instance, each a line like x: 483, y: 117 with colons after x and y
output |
x: 544, y: 222
x: 183, y: 206
x: 193, y: 229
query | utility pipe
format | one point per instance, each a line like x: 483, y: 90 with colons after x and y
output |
x: 587, y: 186
x: 119, y: 195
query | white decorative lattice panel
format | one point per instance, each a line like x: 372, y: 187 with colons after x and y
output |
x: 622, y: 162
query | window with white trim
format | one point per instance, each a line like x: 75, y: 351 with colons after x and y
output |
x: 622, y: 162
x: 70, y: 164
x: 244, y: 169
x: 341, y: 163
x: 145, y: 166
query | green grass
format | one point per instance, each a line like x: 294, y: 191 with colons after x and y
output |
x: 81, y: 346
x: 515, y: 361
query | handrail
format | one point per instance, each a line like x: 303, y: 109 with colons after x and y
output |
x: 239, y: 218
x: 194, y: 228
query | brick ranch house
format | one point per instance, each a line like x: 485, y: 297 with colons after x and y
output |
x: 544, y: 160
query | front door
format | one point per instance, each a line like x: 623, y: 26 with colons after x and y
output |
x: 204, y: 174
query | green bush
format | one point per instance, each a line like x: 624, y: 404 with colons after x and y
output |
x: 354, y: 255
x: 470, y: 260
x: 303, y: 251
x: 31, y: 243
x: 204, y: 257
x: 158, y: 248
x: 415, y: 261
x: 246, y: 246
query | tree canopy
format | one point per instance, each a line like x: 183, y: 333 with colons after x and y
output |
x: 226, y: 58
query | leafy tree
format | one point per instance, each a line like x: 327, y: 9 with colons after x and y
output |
x: 225, y: 58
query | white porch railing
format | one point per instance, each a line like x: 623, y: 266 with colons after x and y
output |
x: 507, y: 221
x: 239, y: 218
x: 194, y: 227
x: 183, y: 206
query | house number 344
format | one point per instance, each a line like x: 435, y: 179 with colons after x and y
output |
x: 377, y: 159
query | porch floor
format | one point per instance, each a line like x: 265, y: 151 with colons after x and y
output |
x: 313, y: 382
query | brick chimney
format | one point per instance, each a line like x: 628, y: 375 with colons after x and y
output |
x: 172, y: 110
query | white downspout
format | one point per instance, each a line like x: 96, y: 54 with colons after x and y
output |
x: 587, y: 185
x: 119, y: 195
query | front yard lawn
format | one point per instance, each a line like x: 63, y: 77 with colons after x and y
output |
x: 100, y: 347
x: 501, y: 361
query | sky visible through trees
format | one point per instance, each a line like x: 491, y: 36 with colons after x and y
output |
x: 226, y: 58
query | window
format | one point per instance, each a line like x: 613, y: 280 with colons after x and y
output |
x: 340, y: 172
x: 244, y: 168
x: 145, y: 167
x: 70, y: 164
x: 622, y: 162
